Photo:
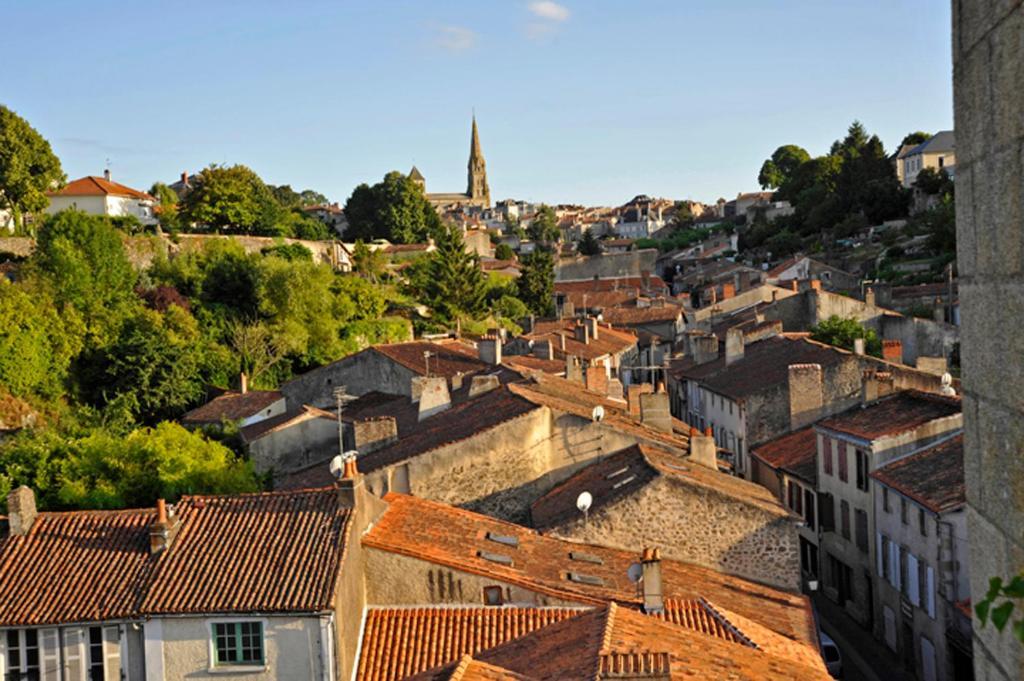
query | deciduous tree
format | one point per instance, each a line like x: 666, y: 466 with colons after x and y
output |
x: 28, y: 166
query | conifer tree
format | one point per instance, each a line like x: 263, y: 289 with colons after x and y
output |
x: 454, y: 283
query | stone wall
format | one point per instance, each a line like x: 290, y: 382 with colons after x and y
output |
x: 607, y: 265
x: 359, y: 373
x: 988, y: 84
x: 298, y: 446
x: 719, y: 532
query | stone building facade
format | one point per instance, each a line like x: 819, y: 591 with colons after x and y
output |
x: 988, y: 85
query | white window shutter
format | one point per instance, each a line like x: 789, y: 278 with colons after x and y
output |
x: 930, y: 592
x: 49, y: 655
x: 878, y: 554
x: 111, y: 653
x: 913, y: 577
x: 75, y: 660
x: 3, y: 656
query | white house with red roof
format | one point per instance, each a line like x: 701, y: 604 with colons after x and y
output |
x: 102, y: 196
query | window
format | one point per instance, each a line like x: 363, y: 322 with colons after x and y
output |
x: 22, y: 654
x: 844, y: 513
x: 844, y: 473
x: 795, y: 498
x: 885, y: 500
x: 826, y: 452
x: 493, y: 595
x: 862, y: 470
x: 861, y: 527
x: 238, y: 643
x: 922, y: 522
x: 809, y: 509
x: 827, y: 506
x: 903, y: 510
x: 884, y: 557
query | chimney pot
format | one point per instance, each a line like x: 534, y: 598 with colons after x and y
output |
x: 650, y: 560
x: 243, y: 383
x: 351, y: 471
x: 106, y: 174
x: 858, y: 346
x: 163, y: 529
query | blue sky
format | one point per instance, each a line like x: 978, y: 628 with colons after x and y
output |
x: 581, y: 101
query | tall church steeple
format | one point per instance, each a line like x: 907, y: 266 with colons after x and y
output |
x: 477, y: 190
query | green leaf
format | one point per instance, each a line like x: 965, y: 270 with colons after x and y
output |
x: 1001, y: 615
x: 1015, y: 589
x: 994, y: 585
x: 1018, y: 630
x: 981, y: 610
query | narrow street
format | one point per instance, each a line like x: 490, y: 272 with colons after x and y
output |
x: 864, y: 658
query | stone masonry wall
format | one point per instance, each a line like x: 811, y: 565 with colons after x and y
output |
x: 697, y: 525
x: 988, y: 86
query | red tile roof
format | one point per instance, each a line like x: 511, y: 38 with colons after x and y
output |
x: 933, y: 477
x: 600, y: 299
x: 453, y: 537
x: 613, y: 284
x: 610, y: 640
x: 83, y: 566
x: 255, y: 431
x: 98, y: 186
x: 609, y: 342
x: 531, y: 363
x: 627, y: 316
x: 629, y: 470
x: 233, y: 406
x: 795, y: 453
x: 764, y: 366
x: 447, y: 358
x: 400, y: 642
x: 893, y: 414
x: 271, y: 552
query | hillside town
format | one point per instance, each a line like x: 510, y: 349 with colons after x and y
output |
x: 254, y: 432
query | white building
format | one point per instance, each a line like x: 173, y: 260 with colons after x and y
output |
x: 938, y: 153
x: 101, y: 196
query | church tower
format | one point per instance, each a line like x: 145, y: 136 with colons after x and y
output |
x: 478, y: 191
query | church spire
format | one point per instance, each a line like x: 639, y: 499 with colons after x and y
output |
x: 478, y: 191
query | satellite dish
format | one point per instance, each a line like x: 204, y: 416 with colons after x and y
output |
x: 583, y: 501
x: 337, y: 466
x: 635, y: 572
x: 597, y: 414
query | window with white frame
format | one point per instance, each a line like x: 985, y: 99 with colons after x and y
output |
x: 238, y: 644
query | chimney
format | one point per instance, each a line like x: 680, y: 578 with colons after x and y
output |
x: 815, y: 284
x: 542, y: 349
x: 892, y: 351
x: 582, y: 333
x: 650, y: 561
x: 806, y: 396
x: 615, y: 389
x: 21, y: 511
x: 184, y: 177
x: 373, y: 434
x: 728, y: 290
x: 434, y: 396
x: 527, y: 323
x: 573, y: 370
x: 591, y: 324
x: 795, y: 285
x: 561, y: 343
x: 869, y: 297
x: 703, y: 450
x: 163, y: 531
x: 733, y: 346
x: 351, y: 481
x: 243, y: 383
x: 489, y: 349
x: 876, y: 384
x: 106, y: 174
x: 633, y: 393
x: 654, y: 410
x: 858, y: 346
x: 481, y: 384
x: 597, y: 379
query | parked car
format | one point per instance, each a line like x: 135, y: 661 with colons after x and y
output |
x: 830, y: 653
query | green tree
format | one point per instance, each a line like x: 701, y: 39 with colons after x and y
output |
x: 914, y: 138
x: 934, y: 182
x: 153, y: 369
x: 453, y: 285
x: 589, y: 244
x: 780, y: 167
x: 842, y: 332
x: 167, y: 210
x: 368, y: 262
x: 292, y: 251
x: 504, y: 252
x: 231, y: 199
x: 308, y: 197
x: 36, y: 343
x: 544, y: 226
x: 28, y: 166
x: 395, y: 209
x: 510, y: 307
x: 536, y: 283
x: 81, y: 259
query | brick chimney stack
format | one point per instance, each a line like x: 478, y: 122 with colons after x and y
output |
x: 806, y: 394
x: 163, y: 531
x: 650, y: 561
x: 351, y: 480
x: 21, y: 511
x: 892, y: 351
x: 733, y: 346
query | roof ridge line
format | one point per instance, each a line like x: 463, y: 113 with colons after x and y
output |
x: 726, y: 623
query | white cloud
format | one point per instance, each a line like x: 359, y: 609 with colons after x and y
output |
x: 454, y: 38
x: 551, y: 11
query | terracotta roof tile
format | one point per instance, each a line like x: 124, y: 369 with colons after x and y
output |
x: 933, y: 477
x: 453, y: 537
x: 795, y: 453
x: 626, y: 316
x: 531, y: 363
x: 614, y: 284
x: 906, y: 410
x: 82, y: 566
x: 608, y: 342
x: 98, y: 186
x: 447, y: 358
x: 400, y: 642
x: 271, y: 552
x: 233, y: 406
x: 627, y: 471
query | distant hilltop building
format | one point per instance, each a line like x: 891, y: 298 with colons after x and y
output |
x: 477, y: 191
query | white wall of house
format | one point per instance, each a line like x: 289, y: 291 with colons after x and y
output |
x: 275, y: 409
x: 726, y: 417
x: 93, y: 205
x: 104, y: 205
x: 294, y: 647
x: 65, y: 653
